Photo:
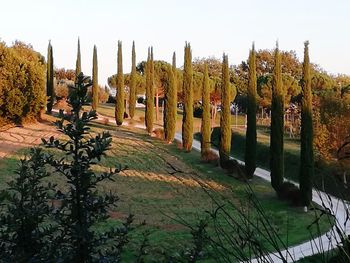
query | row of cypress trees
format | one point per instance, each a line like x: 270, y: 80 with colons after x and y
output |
x: 170, y: 110
x: 306, y: 170
x: 277, y: 112
x: 50, y: 92
x: 277, y: 123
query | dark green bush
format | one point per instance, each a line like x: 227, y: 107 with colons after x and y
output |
x: 289, y: 192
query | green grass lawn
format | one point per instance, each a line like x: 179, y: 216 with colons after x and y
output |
x: 107, y: 109
x: 151, y: 190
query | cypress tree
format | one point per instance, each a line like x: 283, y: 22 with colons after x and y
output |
x: 78, y: 61
x: 250, y: 146
x: 205, y: 128
x: 95, y: 88
x: 152, y: 82
x: 306, y: 136
x: 119, y: 105
x: 170, y: 107
x: 225, y: 118
x: 50, y: 79
x: 149, y: 93
x: 175, y: 80
x: 277, y: 125
x: 187, y: 89
x: 132, y: 90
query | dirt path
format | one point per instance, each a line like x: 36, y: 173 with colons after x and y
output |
x: 27, y: 136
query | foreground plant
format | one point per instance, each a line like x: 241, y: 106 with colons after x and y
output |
x: 83, y: 208
x: 25, y: 228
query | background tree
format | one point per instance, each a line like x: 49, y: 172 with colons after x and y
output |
x: 119, y: 106
x: 149, y: 116
x: 290, y: 86
x: 78, y: 61
x: 132, y: 84
x: 306, y: 137
x: 65, y: 74
x: 277, y: 126
x: 187, y: 120
x: 206, y: 127
x: 225, y: 118
x: 95, y: 87
x: 50, y: 79
x: 23, y: 90
x: 153, y: 90
x: 170, y: 109
x: 250, y: 147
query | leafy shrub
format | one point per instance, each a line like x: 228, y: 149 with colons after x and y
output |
x: 25, y: 235
x: 61, y: 90
x: 103, y: 95
x: 22, y: 83
x: 210, y: 157
x: 198, y: 111
x: 290, y: 192
x: 159, y: 133
x: 141, y: 100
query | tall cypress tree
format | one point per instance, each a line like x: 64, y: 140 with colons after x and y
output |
x: 149, y: 93
x: 78, y: 61
x: 95, y: 88
x: 50, y: 79
x: 175, y: 79
x: 225, y: 118
x: 119, y: 104
x: 132, y: 90
x: 306, y: 136
x: 277, y: 125
x: 205, y: 128
x: 152, y: 81
x: 170, y: 107
x: 187, y: 89
x: 250, y: 146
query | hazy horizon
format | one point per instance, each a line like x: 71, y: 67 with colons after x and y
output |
x: 211, y: 27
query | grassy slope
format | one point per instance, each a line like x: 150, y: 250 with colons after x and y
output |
x: 153, y: 193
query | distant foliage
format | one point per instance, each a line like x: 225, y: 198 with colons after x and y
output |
x: 22, y: 83
x: 103, y: 95
x: 65, y: 74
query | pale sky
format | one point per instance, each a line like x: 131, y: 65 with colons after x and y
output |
x: 211, y: 26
